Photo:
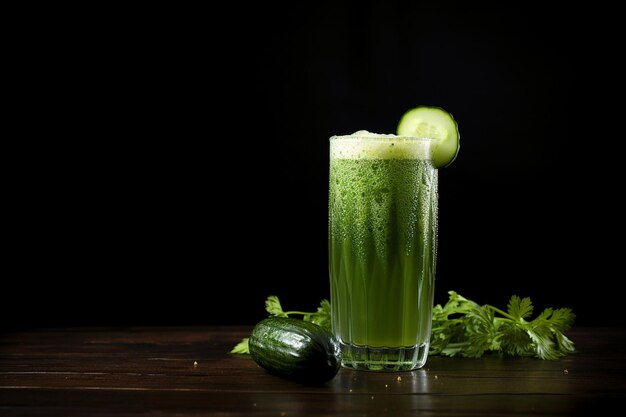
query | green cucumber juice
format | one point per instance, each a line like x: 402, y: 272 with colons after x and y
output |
x: 382, y: 248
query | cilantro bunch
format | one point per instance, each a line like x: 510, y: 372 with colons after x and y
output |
x: 464, y: 328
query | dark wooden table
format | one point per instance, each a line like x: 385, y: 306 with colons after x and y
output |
x: 188, y: 371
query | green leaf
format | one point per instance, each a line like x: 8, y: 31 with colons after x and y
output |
x: 520, y: 308
x: 482, y: 332
x: 547, y: 332
x: 544, y: 345
x: 322, y: 316
x: 562, y: 319
x: 272, y: 306
x: 564, y: 344
x: 241, y: 347
x: 514, y: 340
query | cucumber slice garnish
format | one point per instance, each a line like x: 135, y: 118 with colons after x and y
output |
x: 434, y: 123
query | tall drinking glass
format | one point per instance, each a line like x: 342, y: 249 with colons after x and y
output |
x: 382, y: 249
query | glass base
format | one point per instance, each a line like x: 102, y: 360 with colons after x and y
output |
x: 366, y: 358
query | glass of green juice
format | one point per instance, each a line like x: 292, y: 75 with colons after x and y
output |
x: 382, y: 249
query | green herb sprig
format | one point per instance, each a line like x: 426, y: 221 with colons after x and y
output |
x: 464, y: 328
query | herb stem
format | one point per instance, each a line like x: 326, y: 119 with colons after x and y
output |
x: 302, y: 313
x: 502, y: 313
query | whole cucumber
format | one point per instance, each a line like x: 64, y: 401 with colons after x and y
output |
x: 295, y: 349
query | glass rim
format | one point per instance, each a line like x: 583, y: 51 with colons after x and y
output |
x: 403, y: 138
x: 381, y: 147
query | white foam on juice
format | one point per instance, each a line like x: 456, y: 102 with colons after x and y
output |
x: 368, y: 145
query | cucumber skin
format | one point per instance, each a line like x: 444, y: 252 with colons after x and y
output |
x: 295, y: 349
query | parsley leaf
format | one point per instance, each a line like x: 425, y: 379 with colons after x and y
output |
x: 272, y: 306
x: 241, y: 347
x: 520, y: 308
x: 322, y: 316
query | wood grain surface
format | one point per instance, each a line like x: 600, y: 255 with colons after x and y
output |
x: 187, y: 371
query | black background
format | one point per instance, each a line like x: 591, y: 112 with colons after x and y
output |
x: 172, y: 165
